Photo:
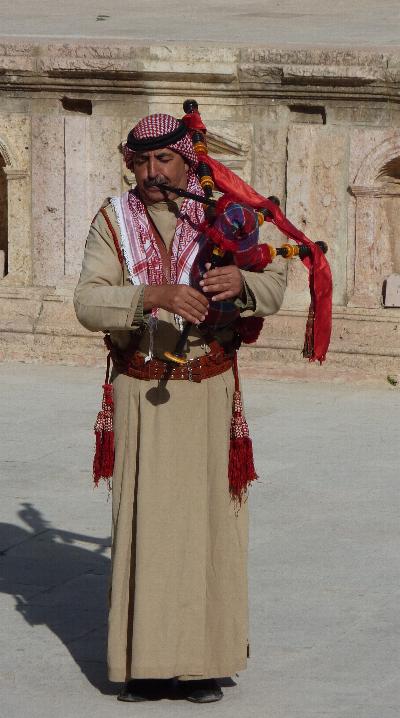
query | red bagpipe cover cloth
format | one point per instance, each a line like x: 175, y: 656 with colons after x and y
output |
x: 320, y: 278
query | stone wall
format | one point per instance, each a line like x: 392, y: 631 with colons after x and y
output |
x: 320, y: 129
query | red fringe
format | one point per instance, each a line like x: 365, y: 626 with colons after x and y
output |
x: 241, y: 467
x: 103, y: 462
x: 241, y: 470
x: 308, y: 348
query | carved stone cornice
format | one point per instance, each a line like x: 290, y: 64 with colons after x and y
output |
x: 14, y: 174
x: 167, y: 69
x: 360, y: 191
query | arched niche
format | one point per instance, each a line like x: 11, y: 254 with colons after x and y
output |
x: 376, y: 193
x: 15, y: 218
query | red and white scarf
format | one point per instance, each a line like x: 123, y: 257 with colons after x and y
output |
x: 139, y: 247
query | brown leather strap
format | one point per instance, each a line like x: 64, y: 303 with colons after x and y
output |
x: 114, y: 236
x: 203, y: 367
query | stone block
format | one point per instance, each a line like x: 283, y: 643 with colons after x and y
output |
x: 392, y: 291
x: 58, y: 318
x: 77, y: 219
x: 19, y: 313
x: 48, y: 169
x: 317, y: 202
x: 104, y: 159
x: 353, y: 114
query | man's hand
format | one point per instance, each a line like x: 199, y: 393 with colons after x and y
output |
x: 222, y: 282
x: 177, y: 299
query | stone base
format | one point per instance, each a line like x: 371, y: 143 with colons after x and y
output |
x: 40, y: 325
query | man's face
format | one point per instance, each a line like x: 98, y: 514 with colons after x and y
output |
x: 164, y: 165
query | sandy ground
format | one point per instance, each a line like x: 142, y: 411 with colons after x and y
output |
x: 324, y: 558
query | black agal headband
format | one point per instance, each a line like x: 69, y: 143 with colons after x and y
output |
x: 156, y: 143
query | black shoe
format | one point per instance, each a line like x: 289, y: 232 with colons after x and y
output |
x: 205, y: 691
x: 145, y: 689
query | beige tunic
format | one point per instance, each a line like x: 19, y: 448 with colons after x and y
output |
x: 178, y: 603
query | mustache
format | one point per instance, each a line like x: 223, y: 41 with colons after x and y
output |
x: 156, y: 181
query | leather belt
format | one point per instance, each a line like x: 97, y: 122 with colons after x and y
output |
x: 203, y: 367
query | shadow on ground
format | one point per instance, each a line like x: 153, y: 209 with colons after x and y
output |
x: 58, y: 583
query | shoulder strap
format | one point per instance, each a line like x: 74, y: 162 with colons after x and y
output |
x: 114, y: 236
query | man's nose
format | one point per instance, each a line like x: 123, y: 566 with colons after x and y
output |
x: 151, y: 168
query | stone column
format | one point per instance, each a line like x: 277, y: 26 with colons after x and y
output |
x: 19, y: 227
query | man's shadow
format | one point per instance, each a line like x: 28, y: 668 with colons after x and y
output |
x: 58, y: 582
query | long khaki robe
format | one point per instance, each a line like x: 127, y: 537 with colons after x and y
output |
x: 178, y: 604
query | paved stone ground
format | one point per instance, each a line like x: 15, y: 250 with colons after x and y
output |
x: 324, y: 559
x: 347, y: 23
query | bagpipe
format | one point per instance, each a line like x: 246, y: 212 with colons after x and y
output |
x: 231, y: 227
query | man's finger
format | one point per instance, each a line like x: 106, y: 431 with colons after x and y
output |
x: 191, y: 314
x: 224, y: 295
x: 198, y: 296
x: 229, y: 269
x: 195, y: 308
x: 218, y: 287
x: 213, y: 281
x: 195, y: 303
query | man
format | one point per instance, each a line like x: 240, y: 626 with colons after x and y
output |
x: 178, y: 598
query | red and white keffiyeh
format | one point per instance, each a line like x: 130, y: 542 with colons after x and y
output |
x: 161, y: 131
x: 140, y: 250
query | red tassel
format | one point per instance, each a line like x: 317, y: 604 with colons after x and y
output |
x: 241, y: 470
x: 103, y: 462
x: 308, y: 348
